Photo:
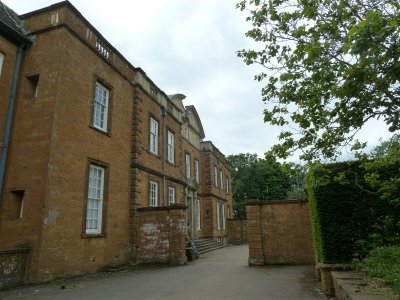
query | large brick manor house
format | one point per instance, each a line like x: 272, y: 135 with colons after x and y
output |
x: 87, y: 140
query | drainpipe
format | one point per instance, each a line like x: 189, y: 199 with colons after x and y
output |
x: 163, y: 114
x: 9, y: 118
x: 192, y: 222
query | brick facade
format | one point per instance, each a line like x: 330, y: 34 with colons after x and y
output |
x: 279, y: 232
x: 57, y: 147
x: 9, y: 51
x: 216, y: 191
x: 237, y: 231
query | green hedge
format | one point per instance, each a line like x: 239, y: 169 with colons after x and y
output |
x: 345, y: 210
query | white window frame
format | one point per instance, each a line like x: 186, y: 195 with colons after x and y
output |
x: 171, y: 195
x: 196, y: 170
x: 153, y: 193
x: 171, y: 147
x: 223, y: 216
x: 221, y: 180
x: 153, y: 136
x: 198, y: 216
x: 100, y: 107
x: 94, y: 211
x: 227, y: 184
x: 216, y: 176
x: 218, y: 221
x: 1, y: 62
x: 187, y: 165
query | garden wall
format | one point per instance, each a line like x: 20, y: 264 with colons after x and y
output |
x: 237, y: 231
x: 161, y: 235
x: 279, y: 232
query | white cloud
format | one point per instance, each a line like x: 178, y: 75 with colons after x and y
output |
x: 189, y: 47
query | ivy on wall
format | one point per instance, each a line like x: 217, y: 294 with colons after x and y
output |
x: 349, y: 216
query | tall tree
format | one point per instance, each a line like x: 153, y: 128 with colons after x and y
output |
x: 330, y: 66
x: 383, y: 170
x: 297, y: 179
x: 240, y: 164
x: 255, y: 178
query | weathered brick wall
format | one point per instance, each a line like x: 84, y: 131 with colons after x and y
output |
x: 279, y: 232
x: 237, y: 231
x: 145, y: 108
x: 9, y: 51
x: 28, y: 160
x: 161, y: 235
x: 207, y: 220
x: 51, y: 143
x: 53, y: 139
x: 211, y: 194
x: 12, y: 268
x: 254, y: 235
x: 212, y: 157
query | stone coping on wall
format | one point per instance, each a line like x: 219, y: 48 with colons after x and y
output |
x: 325, y: 272
x: 270, y: 202
x: 349, y: 285
x: 161, y: 208
x: 14, y: 251
x: 335, y: 267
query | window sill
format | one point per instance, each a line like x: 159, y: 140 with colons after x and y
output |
x: 153, y: 154
x: 93, y: 235
x: 99, y: 130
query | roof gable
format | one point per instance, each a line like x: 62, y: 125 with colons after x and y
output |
x: 191, y: 109
x: 11, y: 25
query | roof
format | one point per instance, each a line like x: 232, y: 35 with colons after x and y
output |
x: 177, y: 100
x: 213, y: 150
x: 193, y: 110
x: 11, y: 26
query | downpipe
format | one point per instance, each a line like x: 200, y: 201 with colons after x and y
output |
x: 9, y: 119
x: 163, y: 150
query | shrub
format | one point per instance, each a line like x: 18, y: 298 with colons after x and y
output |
x: 383, y: 263
x: 348, y: 215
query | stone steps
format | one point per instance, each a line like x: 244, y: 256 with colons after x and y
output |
x: 207, y: 245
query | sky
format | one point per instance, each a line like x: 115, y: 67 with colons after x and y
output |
x: 189, y: 47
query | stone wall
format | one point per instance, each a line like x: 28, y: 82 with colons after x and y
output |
x: 237, y: 231
x: 279, y: 232
x: 12, y: 267
x: 161, y: 235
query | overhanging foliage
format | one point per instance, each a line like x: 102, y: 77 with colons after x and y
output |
x: 330, y: 66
